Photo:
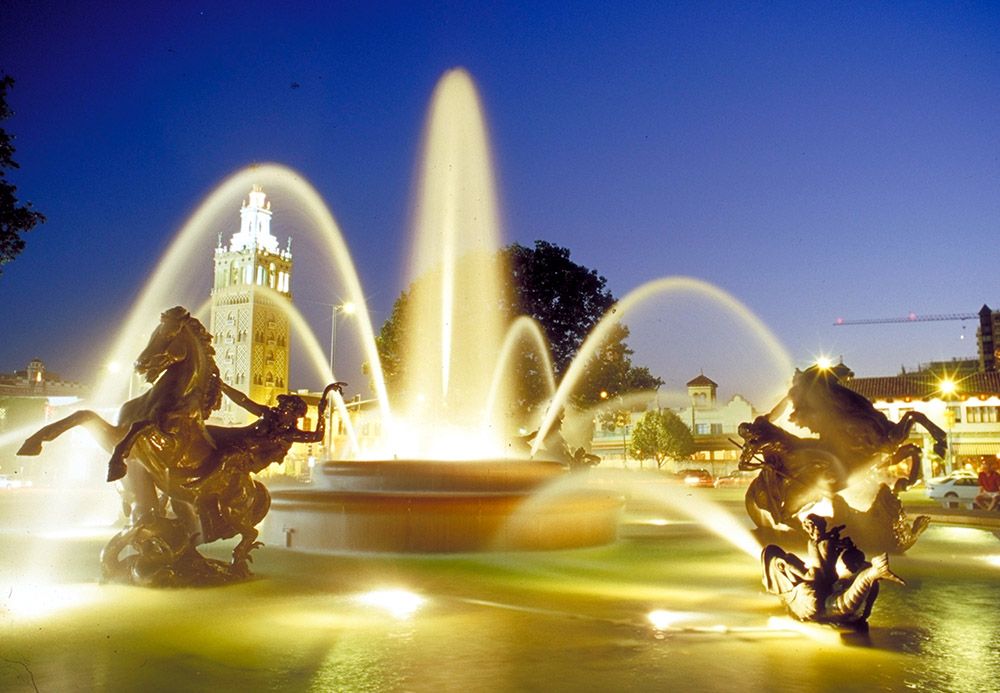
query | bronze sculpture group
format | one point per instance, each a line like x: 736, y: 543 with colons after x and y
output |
x: 187, y: 483
x: 854, y: 444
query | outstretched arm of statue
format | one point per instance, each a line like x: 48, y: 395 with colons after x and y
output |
x: 324, y: 400
x: 242, y: 400
x: 317, y: 435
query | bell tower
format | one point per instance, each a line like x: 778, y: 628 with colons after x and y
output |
x: 249, y: 327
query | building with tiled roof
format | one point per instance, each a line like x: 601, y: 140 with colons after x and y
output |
x: 963, y: 401
x: 713, y: 426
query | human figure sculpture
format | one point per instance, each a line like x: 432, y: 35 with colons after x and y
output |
x: 554, y: 446
x: 854, y: 440
x: 837, y: 587
x: 186, y: 483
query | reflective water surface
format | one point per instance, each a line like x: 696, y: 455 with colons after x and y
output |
x: 668, y: 605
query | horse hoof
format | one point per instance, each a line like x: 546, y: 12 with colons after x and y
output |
x: 920, y: 524
x: 116, y: 470
x: 30, y: 447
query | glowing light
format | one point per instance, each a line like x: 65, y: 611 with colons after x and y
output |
x: 814, y: 632
x: 348, y: 308
x: 660, y: 619
x: 947, y: 386
x: 665, y: 620
x: 37, y: 600
x: 400, y: 603
x: 824, y: 363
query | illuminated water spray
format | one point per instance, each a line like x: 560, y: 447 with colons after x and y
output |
x: 454, y: 326
x: 668, y: 287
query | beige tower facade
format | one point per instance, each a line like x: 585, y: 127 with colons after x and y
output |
x: 249, y: 327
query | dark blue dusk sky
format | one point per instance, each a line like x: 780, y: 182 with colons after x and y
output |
x: 815, y: 160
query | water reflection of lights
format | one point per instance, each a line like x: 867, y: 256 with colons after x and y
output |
x: 400, y: 603
x: 37, y: 600
x: 815, y: 632
x: 662, y: 619
x: 671, y: 622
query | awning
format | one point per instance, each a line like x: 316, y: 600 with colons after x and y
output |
x: 975, y: 449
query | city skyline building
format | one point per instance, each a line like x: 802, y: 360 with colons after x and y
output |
x: 249, y: 329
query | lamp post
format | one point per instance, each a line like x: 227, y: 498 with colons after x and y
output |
x: 346, y: 308
x: 948, y: 388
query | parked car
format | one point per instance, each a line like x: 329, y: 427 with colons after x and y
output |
x: 958, y: 488
x: 6, y: 483
x: 696, y: 477
x: 736, y: 478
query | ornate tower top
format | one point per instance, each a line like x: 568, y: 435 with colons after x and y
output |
x: 255, y: 225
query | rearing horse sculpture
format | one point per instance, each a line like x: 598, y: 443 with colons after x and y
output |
x: 854, y: 439
x: 166, y: 423
x: 163, y: 435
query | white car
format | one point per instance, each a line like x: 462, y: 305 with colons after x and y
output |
x: 958, y: 488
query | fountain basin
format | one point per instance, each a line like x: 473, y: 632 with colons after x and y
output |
x: 432, y: 506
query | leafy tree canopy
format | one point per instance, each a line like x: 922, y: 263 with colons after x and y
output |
x: 567, y: 300
x: 15, y: 219
x: 662, y: 436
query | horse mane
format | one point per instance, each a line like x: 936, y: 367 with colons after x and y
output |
x: 213, y: 393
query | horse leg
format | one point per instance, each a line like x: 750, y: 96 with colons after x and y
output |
x: 140, y: 501
x: 116, y: 465
x: 247, y: 520
x: 911, y: 451
x: 915, y: 417
x: 105, y: 433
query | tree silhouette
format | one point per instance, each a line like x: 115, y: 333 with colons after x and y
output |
x: 15, y: 219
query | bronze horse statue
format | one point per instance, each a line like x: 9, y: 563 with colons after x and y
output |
x: 166, y: 424
x: 185, y: 483
x: 853, y: 440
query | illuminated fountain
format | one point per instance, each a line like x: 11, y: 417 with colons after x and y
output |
x: 671, y: 605
x: 452, y: 474
x: 449, y: 479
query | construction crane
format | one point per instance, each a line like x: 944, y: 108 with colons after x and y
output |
x: 912, y: 317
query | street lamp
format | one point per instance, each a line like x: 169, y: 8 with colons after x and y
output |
x: 948, y: 388
x: 346, y: 308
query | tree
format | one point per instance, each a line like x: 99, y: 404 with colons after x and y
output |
x: 567, y: 300
x: 661, y: 435
x: 14, y: 219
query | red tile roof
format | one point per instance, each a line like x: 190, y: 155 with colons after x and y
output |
x: 702, y: 381
x: 923, y: 386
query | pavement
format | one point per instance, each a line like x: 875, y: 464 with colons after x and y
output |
x: 955, y: 516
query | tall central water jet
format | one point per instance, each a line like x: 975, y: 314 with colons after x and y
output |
x: 453, y: 322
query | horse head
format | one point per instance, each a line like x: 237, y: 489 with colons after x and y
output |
x: 165, y: 347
